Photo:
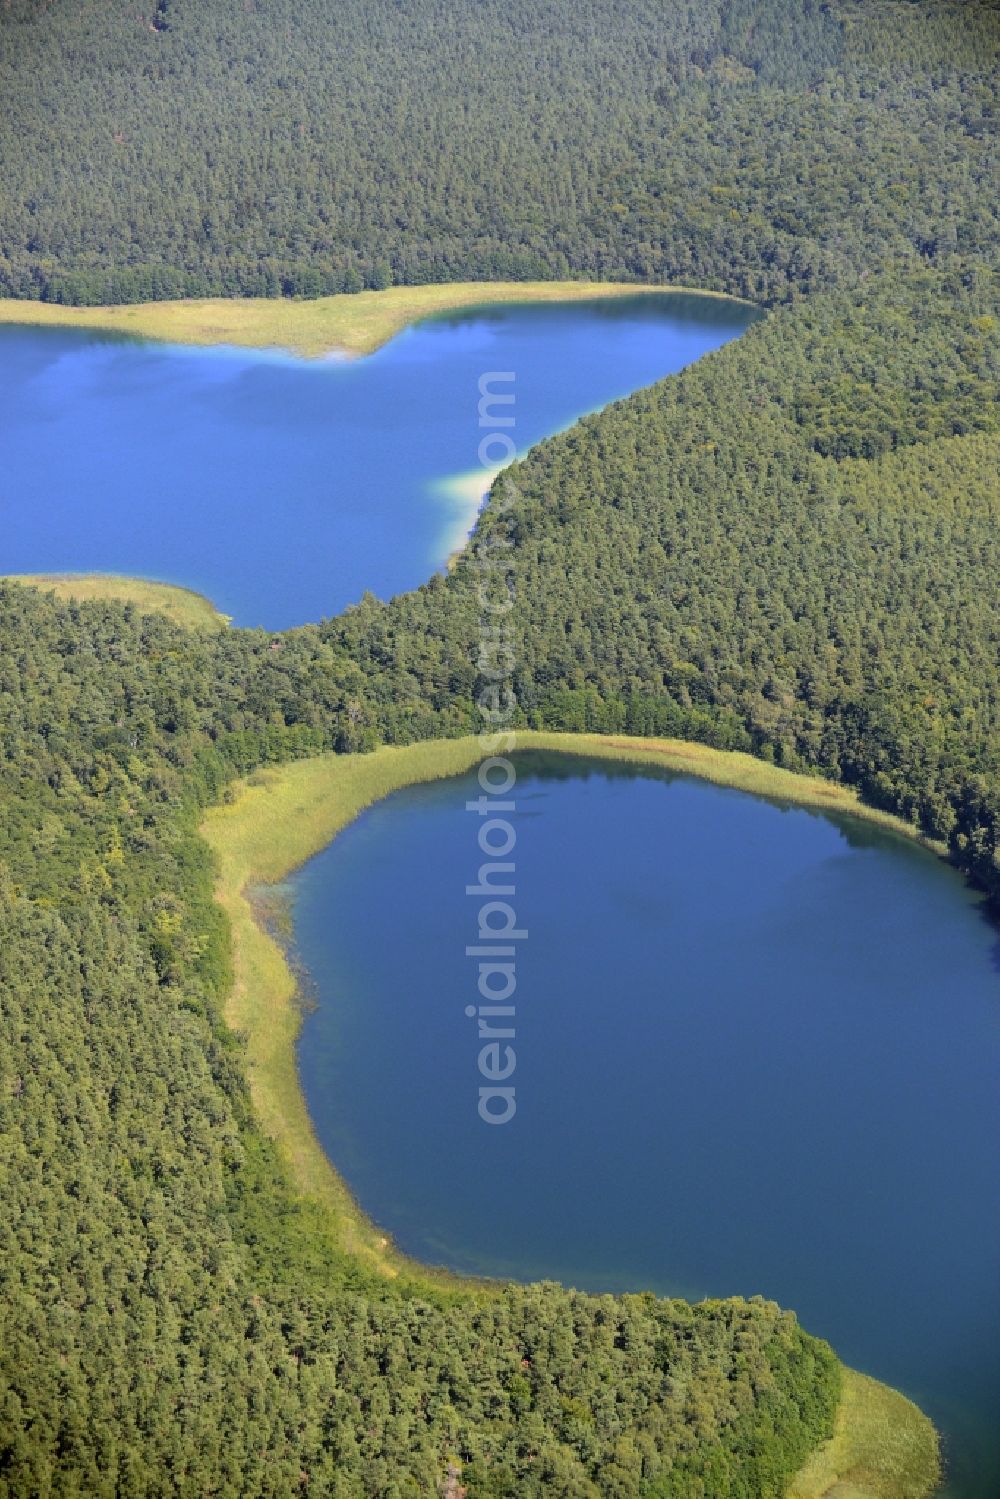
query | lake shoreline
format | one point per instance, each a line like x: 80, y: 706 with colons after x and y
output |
x: 348, y: 325
x: 393, y: 513
x: 279, y: 818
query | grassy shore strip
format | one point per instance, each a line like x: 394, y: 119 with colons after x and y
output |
x: 882, y: 1447
x: 281, y: 817
x: 727, y: 768
x: 278, y: 820
x: 181, y: 605
x: 351, y: 324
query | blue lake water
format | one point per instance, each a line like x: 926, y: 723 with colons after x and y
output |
x: 284, y: 488
x: 757, y: 1052
x: 757, y: 1048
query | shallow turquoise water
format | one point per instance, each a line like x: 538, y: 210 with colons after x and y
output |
x: 757, y: 1051
x: 284, y: 488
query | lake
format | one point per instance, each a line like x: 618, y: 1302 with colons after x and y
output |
x: 757, y: 1052
x: 284, y: 488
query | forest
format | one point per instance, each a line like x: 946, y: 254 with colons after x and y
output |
x: 165, y: 148
x: 790, y: 548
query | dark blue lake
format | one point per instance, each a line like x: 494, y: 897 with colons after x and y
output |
x: 284, y: 488
x: 757, y: 1051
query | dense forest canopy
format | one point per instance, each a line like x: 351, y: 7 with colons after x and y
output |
x: 158, y: 148
x: 791, y: 548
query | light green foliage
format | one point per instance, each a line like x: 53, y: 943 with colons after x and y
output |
x: 881, y: 1448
